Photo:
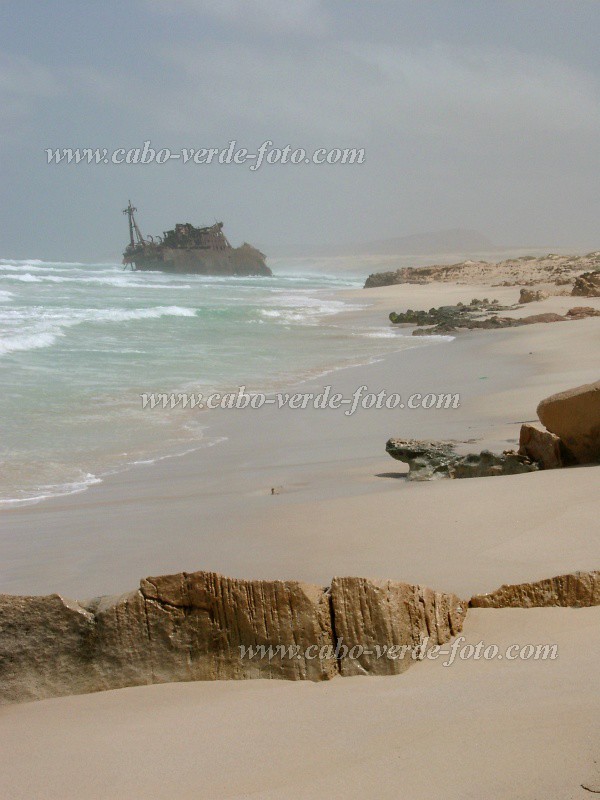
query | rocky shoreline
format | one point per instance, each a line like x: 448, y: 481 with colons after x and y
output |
x: 480, y: 315
x: 572, y: 436
x: 580, y: 272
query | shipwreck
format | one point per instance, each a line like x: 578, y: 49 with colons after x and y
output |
x: 187, y: 249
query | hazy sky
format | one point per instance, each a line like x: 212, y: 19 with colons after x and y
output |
x: 482, y: 115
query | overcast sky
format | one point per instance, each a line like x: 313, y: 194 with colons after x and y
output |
x: 482, y: 115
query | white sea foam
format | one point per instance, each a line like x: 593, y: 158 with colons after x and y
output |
x: 118, y: 281
x: 16, y: 262
x: 27, y: 341
x: 303, y: 307
x: 53, y: 490
x: 128, y: 315
x: 381, y: 333
x: 26, y: 277
x: 47, y: 325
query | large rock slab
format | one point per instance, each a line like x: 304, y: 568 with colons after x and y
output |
x: 174, y: 628
x: 382, y: 623
x: 576, y: 590
x: 574, y: 416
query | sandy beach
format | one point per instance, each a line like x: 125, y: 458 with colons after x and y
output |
x: 475, y: 729
x: 300, y: 425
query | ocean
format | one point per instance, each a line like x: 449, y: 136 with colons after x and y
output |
x: 80, y: 343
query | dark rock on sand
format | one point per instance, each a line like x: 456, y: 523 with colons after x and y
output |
x: 430, y: 460
x: 532, y: 295
x: 587, y: 285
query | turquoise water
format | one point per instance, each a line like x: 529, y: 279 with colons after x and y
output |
x: 79, y: 344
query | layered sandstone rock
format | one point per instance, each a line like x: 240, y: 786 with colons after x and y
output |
x: 574, y: 416
x: 175, y: 628
x: 577, y: 590
x: 189, y: 627
x: 542, y: 447
x: 383, y: 623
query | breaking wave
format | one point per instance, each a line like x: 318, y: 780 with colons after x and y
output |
x: 48, y: 325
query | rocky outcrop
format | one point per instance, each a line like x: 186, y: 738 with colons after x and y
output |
x: 377, y: 279
x: 587, y: 285
x: 542, y: 447
x: 181, y: 627
x: 451, y: 323
x: 385, y: 624
x: 574, y: 416
x: 480, y: 315
x: 532, y: 295
x: 456, y: 316
x: 577, y: 590
x: 524, y: 271
x: 429, y: 460
x: 203, y: 626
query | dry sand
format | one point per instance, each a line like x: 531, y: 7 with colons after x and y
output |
x: 476, y: 729
x: 514, y: 730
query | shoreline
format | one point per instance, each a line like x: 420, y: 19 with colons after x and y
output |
x: 212, y: 508
x: 355, y: 310
x: 343, y: 508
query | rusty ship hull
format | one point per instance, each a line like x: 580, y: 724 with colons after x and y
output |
x: 190, y: 250
x: 245, y: 260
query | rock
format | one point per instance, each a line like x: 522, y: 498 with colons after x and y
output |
x: 574, y: 416
x: 448, y: 318
x: 175, y: 628
x: 524, y: 271
x: 480, y: 314
x: 403, y: 275
x: 587, y: 285
x: 487, y: 464
x: 42, y: 648
x: 193, y: 626
x: 532, y: 296
x: 540, y: 446
x: 377, y: 279
x: 577, y: 590
x: 430, y: 460
x: 581, y: 312
x: 374, y: 616
x: 535, y: 318
x: 426, y: 460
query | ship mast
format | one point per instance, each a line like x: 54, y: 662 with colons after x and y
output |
x: 133, y: 226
